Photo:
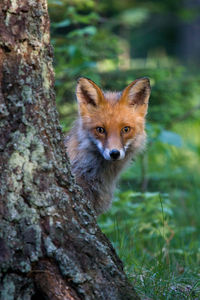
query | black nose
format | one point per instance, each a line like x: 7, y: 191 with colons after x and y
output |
x: 114, y: 154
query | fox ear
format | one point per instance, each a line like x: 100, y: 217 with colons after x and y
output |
x: 137, y: 94
x: 87, y: 92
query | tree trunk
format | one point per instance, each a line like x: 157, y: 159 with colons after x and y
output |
x: 50, y: 244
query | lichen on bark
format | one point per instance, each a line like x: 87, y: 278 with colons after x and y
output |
x: 50, y: 244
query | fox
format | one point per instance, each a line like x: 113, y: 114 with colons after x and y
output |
x: 107, y: 134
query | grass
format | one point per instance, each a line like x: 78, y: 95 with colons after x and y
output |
x: 160, y: 258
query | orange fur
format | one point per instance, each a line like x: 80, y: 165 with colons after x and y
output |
x: 121, y: 119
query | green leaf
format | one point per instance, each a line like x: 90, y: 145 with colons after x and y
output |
x: 61, y: 24
x: 89, y: 30
x: 134, y: 17
x: 170, y: 138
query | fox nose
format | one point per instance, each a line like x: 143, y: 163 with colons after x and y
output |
x: 114, y: 154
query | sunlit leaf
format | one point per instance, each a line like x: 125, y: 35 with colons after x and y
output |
x: 170, y: 138
x: 64, y: 23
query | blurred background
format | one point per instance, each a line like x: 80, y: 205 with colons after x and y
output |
x: 154, y: 223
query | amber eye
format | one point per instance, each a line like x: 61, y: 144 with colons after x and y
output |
x: 126, y: 129
x: 100, y: 130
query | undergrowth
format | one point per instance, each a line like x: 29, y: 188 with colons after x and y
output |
x: 160, y: 257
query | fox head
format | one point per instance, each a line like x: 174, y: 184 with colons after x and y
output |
x: 115, y: 121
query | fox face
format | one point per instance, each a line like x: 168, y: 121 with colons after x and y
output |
x: 114, y: 121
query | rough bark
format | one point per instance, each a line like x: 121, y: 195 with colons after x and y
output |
x: 50, y: 244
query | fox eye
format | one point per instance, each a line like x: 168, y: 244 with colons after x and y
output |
x: 100, y: 130
x: 126, y: 129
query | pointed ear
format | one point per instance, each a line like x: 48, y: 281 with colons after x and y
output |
x: 87, y: 92
x: 137, y: 94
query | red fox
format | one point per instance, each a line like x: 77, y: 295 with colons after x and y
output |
x: 109, y: 131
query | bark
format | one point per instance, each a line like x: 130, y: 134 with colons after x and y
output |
x: 50, y: 244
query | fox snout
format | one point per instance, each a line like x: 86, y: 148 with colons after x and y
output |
x: 113, y: 154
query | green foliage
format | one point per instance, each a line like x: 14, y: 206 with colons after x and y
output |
x: 154, y: 221
x: 137, y: 209
x: 77, y: 38
x: 142, y: 228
